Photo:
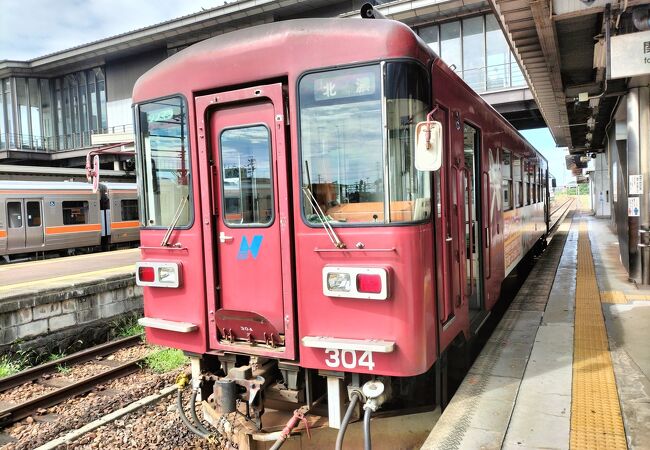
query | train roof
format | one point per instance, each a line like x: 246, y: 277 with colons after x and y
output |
x: 13, y: 185
x: 277, y: 50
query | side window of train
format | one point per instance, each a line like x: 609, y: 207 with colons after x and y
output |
x: 506, y: 176
x: 75, y: 212
x: 518, y: 185
x: 33, y: 214
x: 129, y: 209
x: 528, y: 183
x: 14, y: 214
x: 533, y: 183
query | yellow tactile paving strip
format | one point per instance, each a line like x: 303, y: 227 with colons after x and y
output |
x: 596, y: 421
x: 623, y: 297
x: 613, y: 297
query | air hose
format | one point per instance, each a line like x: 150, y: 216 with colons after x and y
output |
x: 181, y: 381
x: 367, y: 445
x: 354, y: 399
x: 186, y: 421
x: 195, y: 418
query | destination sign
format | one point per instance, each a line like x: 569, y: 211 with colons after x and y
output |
x: 358, y: 84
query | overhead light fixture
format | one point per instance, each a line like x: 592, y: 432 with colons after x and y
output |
x: 588, y: 136
x: 591, y: 123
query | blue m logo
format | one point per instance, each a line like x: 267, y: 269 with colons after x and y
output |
x: 253, y: 248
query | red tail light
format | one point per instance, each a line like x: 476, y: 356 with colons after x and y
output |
x: 146, y: 274
x: 369, y: 283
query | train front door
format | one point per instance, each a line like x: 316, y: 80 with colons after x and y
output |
x: 24, y: 224
x: 252, y: 211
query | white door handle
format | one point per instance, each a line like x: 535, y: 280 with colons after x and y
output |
x: 223, y: 238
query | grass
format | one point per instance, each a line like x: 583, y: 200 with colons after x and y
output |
x: 63, y: 369
x: 127, y: 326
x: 164, y: 360
x: 54, y: 356
x: 10, y: 366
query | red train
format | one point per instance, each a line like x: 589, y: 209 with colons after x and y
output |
x: 287, y: 231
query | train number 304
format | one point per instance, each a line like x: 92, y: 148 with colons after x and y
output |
x: 349, y: 359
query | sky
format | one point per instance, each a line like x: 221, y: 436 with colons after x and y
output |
x: 32, y: 28
x: 541, y: 139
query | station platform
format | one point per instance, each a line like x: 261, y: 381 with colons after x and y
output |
x: 30, y: 277
x: 568, y: 366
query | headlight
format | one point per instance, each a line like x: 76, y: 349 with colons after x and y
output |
x: 339, y: 282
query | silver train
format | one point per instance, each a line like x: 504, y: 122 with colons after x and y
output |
x: 43, y: 216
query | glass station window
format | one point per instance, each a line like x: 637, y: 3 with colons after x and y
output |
x: 15, y: 214
x: 506, y: 176
x: 450, y: 45
x: 75, y: 212
x: 474, y: 53
x: 430, y: 35
x: 246, y: 183
x: 165, y: 162
x: 33, y: 214
x: 129, y: 209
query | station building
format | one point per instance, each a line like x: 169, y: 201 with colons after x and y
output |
x: 538, y: 63
x: 56, y: 107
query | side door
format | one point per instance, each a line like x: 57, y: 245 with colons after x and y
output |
x: 252, y: 242
x: 15, y: 224
x: 34, y: 229
x: 449, y: 222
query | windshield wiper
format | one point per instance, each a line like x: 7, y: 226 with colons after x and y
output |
x: 170, y: 229
x: 323, y: 218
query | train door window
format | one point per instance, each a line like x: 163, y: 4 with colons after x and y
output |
x: 247, y: 187
x: 518, y: 185
x: 15, y: 214
x: 506, y: 176
x: 473, y: 266
x: 129, y: 209
x: 75, y: 212
x: 33, y: 214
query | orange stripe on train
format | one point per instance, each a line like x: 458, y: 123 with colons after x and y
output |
x: 73, y: 228
x: 126, y: 224
x: 3, y: 233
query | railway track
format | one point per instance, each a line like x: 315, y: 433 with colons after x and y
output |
x: 25, y: 409
x: 558, y: 213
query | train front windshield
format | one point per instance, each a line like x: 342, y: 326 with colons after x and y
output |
x: 356, y: 138
x: 165, y: 163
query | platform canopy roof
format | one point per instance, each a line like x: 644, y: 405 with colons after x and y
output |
x: 560, y: 46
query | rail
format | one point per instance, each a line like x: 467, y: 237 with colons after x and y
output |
x: 17, y: 412
x: 555, y: 218
x: 570, y: 200
x: 36, y: 372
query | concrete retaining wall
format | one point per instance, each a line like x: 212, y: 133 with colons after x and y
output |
x: 56, y: 319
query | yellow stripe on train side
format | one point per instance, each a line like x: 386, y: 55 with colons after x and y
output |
x: 73, y: 228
